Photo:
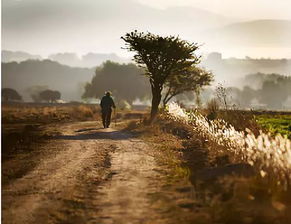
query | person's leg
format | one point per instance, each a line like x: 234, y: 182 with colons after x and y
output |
x: 108, y: 118
x: 104, y: 119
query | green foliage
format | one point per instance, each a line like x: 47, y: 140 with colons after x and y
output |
x: 276, y: 124
x: 161, y: 57
x: 192, y: 79
x: 270, y: 90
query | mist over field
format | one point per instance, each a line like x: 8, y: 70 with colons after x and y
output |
x: 69, y: 39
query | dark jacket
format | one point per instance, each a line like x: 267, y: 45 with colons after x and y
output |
x: 106, y: 103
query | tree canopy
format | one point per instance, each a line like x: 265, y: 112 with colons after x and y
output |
x: 9, y: 94
x: 125, y: 81
x: 273, y: 91
x: 161, y: 58
x: 50, y: 95
x: 192, y: 79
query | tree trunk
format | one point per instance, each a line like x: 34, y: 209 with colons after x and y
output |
x: 157, y: 96
x: 197, y: 98
x: 165, y: 99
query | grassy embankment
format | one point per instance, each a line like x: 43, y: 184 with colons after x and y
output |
x: 227, y: 189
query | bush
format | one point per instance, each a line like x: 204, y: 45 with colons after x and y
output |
x: 9, y: 94
x: 212, y: 109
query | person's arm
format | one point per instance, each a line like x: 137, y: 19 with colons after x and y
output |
x: 101, y: 103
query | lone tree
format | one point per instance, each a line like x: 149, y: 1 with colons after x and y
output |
x: 192, y: 79
x: 161, y: 57
x: 9, y: 94
x: 124, y: 80
x: 50, y: 95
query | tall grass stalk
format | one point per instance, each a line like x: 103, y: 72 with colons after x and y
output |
x: 270, y: 155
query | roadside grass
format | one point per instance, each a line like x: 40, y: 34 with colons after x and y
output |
x: 167, y: 147
x: 226, y: 199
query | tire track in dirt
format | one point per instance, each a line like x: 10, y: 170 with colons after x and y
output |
x: 95, y: 175
x: 42, y: 194
x: 125, y: 198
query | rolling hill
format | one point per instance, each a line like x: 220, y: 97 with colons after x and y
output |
x: 34, y: 73
x: 257, y: 33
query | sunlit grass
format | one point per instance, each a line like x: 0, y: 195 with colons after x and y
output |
x: 270, y: 155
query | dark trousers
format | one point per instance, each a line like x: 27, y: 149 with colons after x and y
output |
x: 106, y: 117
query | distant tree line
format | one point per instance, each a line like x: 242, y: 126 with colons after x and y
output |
x: 259, y: 90
x: 10, y: 95
x: 272, y: 92
x: 26, y: 75
x: 47, y: 95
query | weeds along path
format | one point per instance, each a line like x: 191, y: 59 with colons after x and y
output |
x: 93, y: 176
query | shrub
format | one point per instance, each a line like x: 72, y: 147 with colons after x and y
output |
x: 212, y: 109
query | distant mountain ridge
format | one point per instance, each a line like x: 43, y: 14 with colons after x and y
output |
x: 91, y: 24
x: 34, y: 73
x: 70, y: 81
x: 256, y: 33
x: 18, y: 56
x: 88, y: 60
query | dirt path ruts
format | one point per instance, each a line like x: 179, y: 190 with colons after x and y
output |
x: 69, y: 186
x: 125, y: 197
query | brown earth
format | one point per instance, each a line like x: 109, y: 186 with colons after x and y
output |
x: 84, y: 174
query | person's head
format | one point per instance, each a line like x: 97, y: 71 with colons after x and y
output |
x: 108, y: 93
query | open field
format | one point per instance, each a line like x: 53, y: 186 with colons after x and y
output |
x: 276, y: 124
x: 46, y: 113
x: 52, y: 112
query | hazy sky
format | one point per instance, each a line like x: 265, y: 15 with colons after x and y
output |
x: 249, y: 9
x: 49, y: 26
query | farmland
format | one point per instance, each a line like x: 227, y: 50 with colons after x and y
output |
x: 276, y: 124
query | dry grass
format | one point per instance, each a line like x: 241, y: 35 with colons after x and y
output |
x: 167, y: 146
x: 264, y: 197
x: 236, y: 198
x: 45, y: 113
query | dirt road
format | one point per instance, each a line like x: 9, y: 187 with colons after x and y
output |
x: 91, y: 175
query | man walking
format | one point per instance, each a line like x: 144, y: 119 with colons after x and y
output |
x: 106, y: 108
